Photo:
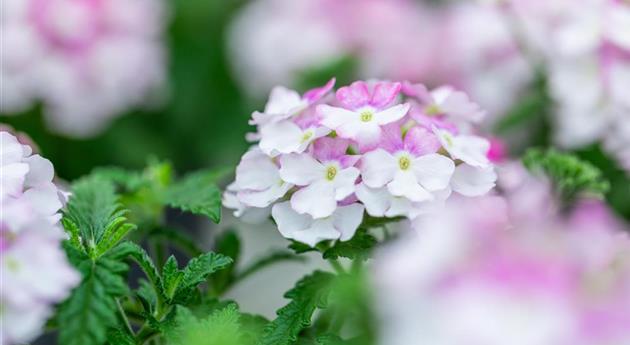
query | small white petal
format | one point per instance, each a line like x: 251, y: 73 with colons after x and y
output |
x: 12, y: 179
x: 347, y: 219
x: 391, y: 114
x: 376, y: 200
x: 317, y: 199
x: 40, y: 171
x: 333, y: 117
x: 280, y: 137
x: 344, y: 182
x: 320, y: 230
x: 378, y: 167
x: 264, y: 198
x: 300, y: 169
x: 256, y: 171
x: 289, y: 221
x: 405, y: 184
x: 471, y: 181
x: 433, y: 171
x: 43, y: 198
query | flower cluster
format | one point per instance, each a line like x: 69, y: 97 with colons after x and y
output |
x: 584, y: 43
x: 86, y: 60
x: 393, y: 149
x: 35, y: 271
x: 482, y: 272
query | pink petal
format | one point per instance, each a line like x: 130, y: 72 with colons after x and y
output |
x: 391, y: 138
x: 384, y: 93
x: 418, y: 91
x: 420, y: 141
x: 327, y: 149
x: 354, y: 96
x: 314, y: 95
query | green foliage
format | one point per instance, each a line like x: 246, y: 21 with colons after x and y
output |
x: 94, y: 218
x: 310, y: 293
x: 198, y: 194
x: 358, y: 248
x: 224, y: 326
x: 91, y: 310
x: 196, y: 272
x: 570, y: 176
x: 120, y: 337
x: 227, y: 244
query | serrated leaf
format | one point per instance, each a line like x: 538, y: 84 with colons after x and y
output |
x: 140, y: 256
x: 222, y: 327
x: 569, y: 175
x: 94, y: 217
x: 310, y: 293
x: 91, y: 310
x: 172, y: 276
x: 196, y: 193
x: 227, y: 244
x: 357, y: 248
x: 197, y: 271
x: 120, y: 337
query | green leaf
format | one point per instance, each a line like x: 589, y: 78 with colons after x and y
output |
x: 357, y: 248
x: 94, y: 217
x: 140, y: 256
x: 570, y: 176
x: 91, y: 310
x: 222, y: 327
x: 172, y: 276
x: 310, y: 293
x: 227, y: 244
x: 196, y: 193
x: 120, y: 337
x: 377, y: 222
x: 197, y: 271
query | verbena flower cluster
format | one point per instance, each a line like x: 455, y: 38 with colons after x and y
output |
x: 389, y: 148
x: 499, y: 270
x: 35, y: 272
x: 85, y: 60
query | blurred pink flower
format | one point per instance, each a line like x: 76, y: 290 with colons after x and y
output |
x: 474, y: 273
x: 86, y: 60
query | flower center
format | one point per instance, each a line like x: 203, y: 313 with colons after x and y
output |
x: 307, y: 135
x: 366, y: 115
x: 331, y: 172
x: 432, y: 110
x: 404, y: 162
x: 12, y: 264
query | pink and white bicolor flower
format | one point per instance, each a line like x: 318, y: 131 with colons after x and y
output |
x: 409, y: 167
x: 475, y: 176
x: 327, y: 176
x: 340, y: 225
x: 447, y: 101
x: 291, y: 136
x: 285, y: 103
x: 365, y: 110
x: 258, y: 182
x: 379, y: 202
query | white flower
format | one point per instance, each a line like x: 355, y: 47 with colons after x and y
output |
x: 340, y: 225
x: 325, y: 181
x: 258, y: 182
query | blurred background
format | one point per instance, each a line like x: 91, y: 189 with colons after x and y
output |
x: 208, y: 64
x: 219, y: 59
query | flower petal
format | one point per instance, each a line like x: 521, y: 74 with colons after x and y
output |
x: 421, y: 141
x: 256, y: 171
x: 391, y: 114
x: 384, y: 93
x: 289, y: 221
x: 378, y: 168
x: 300, y: 169
x: 317, y: 199
x: 405, y: 184
x: 326, y: 149
x: 263, y: 198
x: 314, y: 95
x: 333, y: 117
x: 433, y: 171
x: 354, y: 96
x: 376, y: 200
x: 471, y: 181
x: 347, y: 220
x: 344, y: 182
x: 280, y: 137
x: 40, y: 171
x: 320, y: 230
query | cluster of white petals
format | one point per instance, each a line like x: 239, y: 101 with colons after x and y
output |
x: 392, y: 149
x: 499, y: 270
x: 87, y: 61
x: 35, y: 272
x: 585, y: 46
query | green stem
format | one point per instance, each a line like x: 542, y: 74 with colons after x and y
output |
x: 121, y: 311
x: 337, y: 266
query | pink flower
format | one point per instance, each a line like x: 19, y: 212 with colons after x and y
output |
x: 86, y: 60
x: 328, y: 176
x: 364, y: 110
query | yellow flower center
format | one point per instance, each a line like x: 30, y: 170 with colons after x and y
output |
x: 307, y: 135
x: 331, y: 172
x: 404, y: 162
x: 432, y: 110
x: 366, y: 115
